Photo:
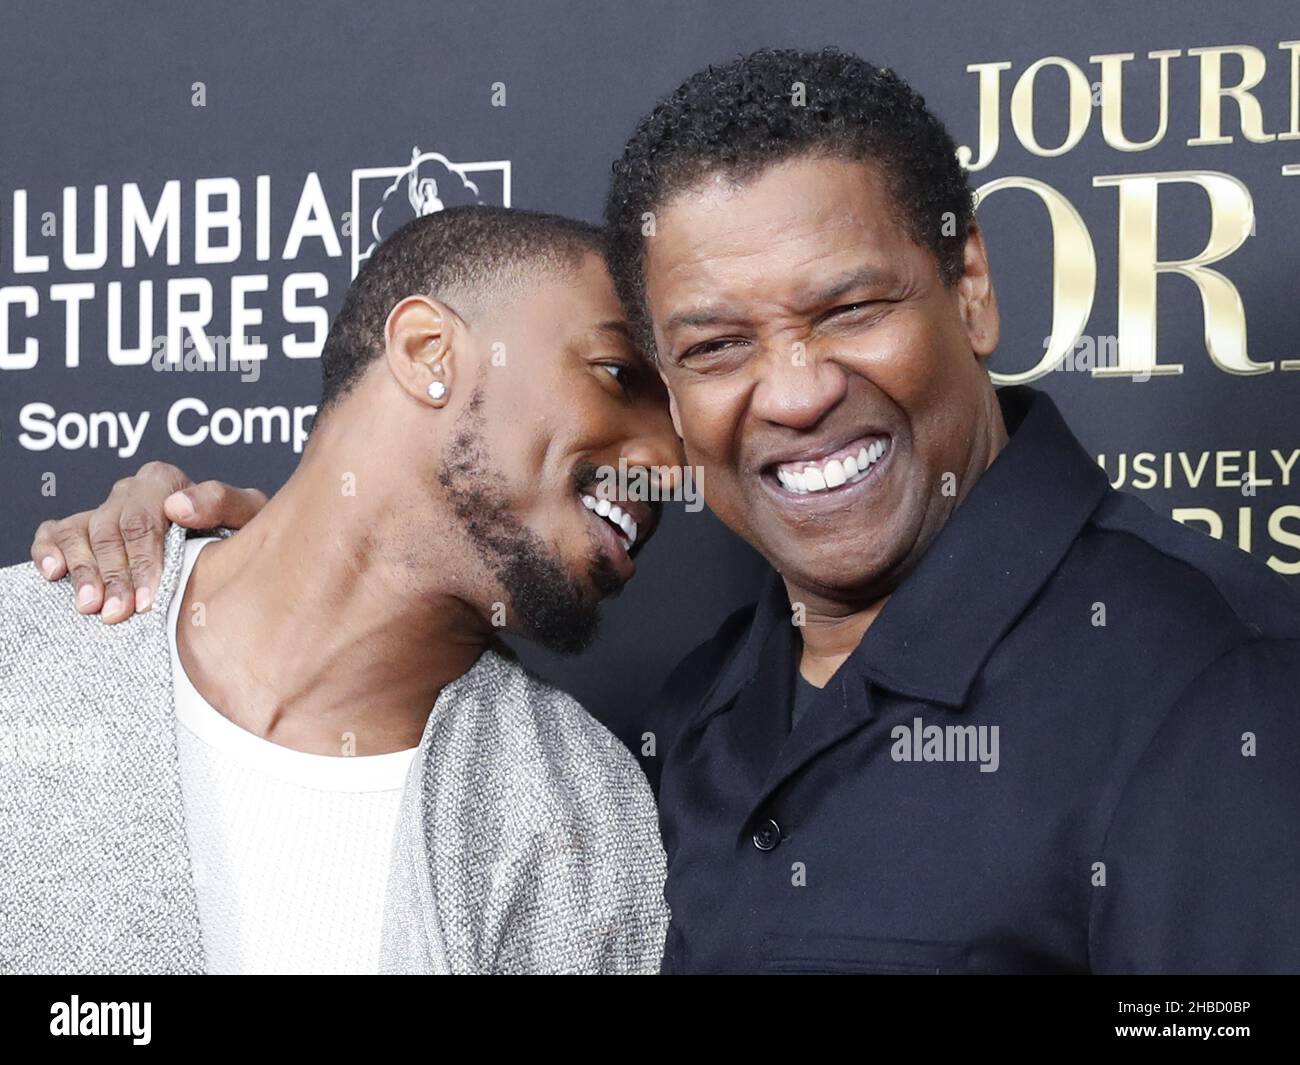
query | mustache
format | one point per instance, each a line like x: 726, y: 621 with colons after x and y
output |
x: 585, y: 474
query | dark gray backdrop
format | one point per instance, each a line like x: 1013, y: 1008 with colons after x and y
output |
x: 106, y: 94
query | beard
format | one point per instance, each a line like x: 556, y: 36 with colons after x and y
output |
x: 550, y: 604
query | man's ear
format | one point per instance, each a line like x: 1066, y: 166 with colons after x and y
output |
x: 976, y: 300
x: 421, y: 340
x: 672, y: 406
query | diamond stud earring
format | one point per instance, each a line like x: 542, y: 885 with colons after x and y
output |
x: 437, y: 390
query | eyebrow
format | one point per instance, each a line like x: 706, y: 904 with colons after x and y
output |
x: 700, y: 318
x: 621, y: 331
x: 617, y: 327
x: 863, y: 277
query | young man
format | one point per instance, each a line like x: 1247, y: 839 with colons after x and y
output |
x: 988, y: 715
x: 311, y: 755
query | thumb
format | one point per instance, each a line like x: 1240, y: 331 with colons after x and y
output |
x: 213, y: 504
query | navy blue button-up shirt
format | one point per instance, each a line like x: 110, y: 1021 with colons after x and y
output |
x: 1070, y: 742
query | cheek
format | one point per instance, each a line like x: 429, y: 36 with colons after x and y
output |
x: 710, y: 413
x: 924, y: 365
x: 908, y: 358
x: 705, y: 413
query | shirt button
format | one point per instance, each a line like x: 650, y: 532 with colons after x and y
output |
x: 767, y: 835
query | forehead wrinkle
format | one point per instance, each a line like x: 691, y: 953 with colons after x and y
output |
x: 741, y: 246
x: 865, y: 276
x: 760, y: 238
x: 799, y: 292
x: 843, y: 225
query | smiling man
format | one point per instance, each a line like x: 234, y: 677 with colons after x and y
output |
x: 988, y: 715
x: 311, y: 755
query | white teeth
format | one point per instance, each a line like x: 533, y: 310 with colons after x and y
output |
x: 614, y: 514
x: 834, y: 472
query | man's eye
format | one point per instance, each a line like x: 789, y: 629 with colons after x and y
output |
x: 626, y: 376
x: 864, y: 312
x: 850, y: 308
x: 708, y: 347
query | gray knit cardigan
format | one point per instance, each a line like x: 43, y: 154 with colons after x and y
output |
x: 527, y: 840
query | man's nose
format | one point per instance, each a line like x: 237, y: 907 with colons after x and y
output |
x: 796, y: 388
x: 650, y: 439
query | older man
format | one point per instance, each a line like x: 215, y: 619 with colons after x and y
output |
x: 988, y: 715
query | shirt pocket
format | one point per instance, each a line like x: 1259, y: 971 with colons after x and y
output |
x: 830, y: 954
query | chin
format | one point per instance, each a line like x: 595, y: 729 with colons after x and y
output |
x: 845, y: 570
x: 842, y: 586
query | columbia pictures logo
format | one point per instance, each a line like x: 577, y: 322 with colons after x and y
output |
x: 386, y: 197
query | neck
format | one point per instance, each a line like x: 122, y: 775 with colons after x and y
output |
x: 833, y: 628
x: 327, y: 626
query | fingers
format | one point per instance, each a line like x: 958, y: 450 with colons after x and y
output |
x: 46, y: 554
x: 109, y: 552
x: 143, y: 539
x: 213, y: 504
x: 73, y: 544
x: 114, y: 553
x: 127, y: 536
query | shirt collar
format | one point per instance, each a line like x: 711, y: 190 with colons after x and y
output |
x: 998, y: 549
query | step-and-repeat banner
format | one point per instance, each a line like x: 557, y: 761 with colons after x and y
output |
x: 186, y: 192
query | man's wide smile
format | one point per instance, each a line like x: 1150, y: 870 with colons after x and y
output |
x: 622, y: 520
x: 620, y: 528
x: 833, y: 474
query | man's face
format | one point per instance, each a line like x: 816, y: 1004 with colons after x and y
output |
x: 820, y: 370
x: 563, y: 393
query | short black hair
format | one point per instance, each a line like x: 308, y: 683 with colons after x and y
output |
x: 741, y: 118
x: 456, y: 250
